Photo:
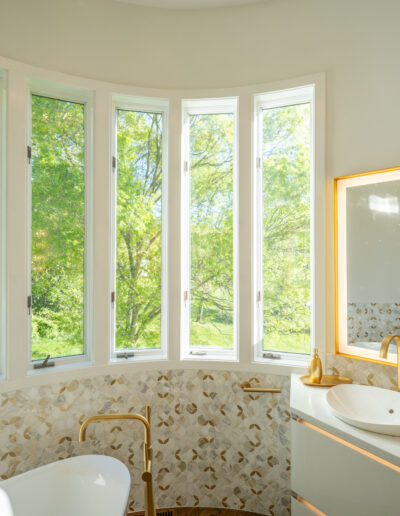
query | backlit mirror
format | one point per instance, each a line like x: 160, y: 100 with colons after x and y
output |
x: 367, y: 237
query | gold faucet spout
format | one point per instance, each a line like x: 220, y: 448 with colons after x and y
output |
x: 108, y: 417
x: 385, y: 350
x: 147, y: 450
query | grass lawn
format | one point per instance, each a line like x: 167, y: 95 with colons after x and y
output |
x: 221, y: 335
x: 292, y: 343
x: 216, y: 335
x: 204, y: 335
x: 55, y: 348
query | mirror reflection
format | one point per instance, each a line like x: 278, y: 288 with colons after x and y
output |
x: 368, y: 251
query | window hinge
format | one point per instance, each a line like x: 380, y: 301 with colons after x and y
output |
x: 29, y: 153
x: 185, y: 295
x: 114, y: 163
x: 258, y: 162
x: 259, y: 296
x: 198, y: 353
x: 44, y: 364
x: 185, y: 166
x: 273, y: 356
x: 113, y: 297
x: 29, y: 304
x: 125, y: 354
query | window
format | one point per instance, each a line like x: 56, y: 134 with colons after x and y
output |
x: 58, y: 305
x: 283, y: 216
x: 2, y: 220
x: 144, y: 308
x: 209, y: 317
x: 139, y: 300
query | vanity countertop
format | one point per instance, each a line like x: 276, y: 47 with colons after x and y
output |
x: 309, y: 403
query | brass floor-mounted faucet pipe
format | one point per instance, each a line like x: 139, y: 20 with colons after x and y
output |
x: 147, y: 451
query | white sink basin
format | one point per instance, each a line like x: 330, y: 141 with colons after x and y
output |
x: 369, y: 408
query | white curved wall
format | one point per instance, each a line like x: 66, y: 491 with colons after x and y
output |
x: 355, y: 42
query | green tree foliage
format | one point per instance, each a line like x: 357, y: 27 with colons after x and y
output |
x: 58, y: 227
x: 211, y: 229
x: 139, y: 224
x: 286, y: 228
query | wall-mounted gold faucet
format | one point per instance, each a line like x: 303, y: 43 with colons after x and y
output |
x: 147, y: 451
x: 385, y: 349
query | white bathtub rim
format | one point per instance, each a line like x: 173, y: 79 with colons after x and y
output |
x: 90, y: 460
x: 84, y: 470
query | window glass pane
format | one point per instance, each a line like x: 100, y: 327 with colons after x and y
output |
x: 211, y: 230
x: 286, y: 228
x: 139, y: 224
x: 58, y: 227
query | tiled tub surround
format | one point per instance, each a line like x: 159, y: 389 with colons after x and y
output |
x: 370, y: 322
x: 213, y: 444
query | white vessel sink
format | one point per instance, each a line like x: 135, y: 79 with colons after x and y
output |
x: 369, y: 408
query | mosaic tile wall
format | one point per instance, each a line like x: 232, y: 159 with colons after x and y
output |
x: 213, y: 444
x: 370, y: 322
x: 363, y: 372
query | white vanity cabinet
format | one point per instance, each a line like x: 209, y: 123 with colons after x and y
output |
x: 338, y: 474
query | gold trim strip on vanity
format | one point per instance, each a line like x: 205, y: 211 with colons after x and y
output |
x: 350, y: 445
x: 309, y: 505
x: 247, y: 388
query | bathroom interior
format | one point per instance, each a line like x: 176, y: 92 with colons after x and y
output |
x: 200, y: 231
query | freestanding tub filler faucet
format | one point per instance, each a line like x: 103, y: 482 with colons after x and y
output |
x: 147, y: 451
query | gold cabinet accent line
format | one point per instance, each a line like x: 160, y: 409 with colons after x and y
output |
x: 352, y: 446
x: 307, y: 504
x: 248, y: 388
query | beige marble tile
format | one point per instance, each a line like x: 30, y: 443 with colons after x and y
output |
x: 363, y: 372
x: 213, y: 444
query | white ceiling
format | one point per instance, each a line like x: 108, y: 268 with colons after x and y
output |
x: 190, y: 4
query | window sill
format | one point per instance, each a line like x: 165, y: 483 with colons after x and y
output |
x: 59, y: 366
x: 295, y: 361
x: 138, y: 357
x: 210, y: 355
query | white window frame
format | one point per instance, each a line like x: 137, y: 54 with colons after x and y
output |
x: 199, y: 107
x: 143, y: 105
x: 3, y: 200
x: 286, y: 97
x: 85, y: 97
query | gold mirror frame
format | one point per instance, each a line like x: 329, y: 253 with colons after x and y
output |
x: 392, y: 358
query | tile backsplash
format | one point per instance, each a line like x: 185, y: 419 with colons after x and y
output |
x: 370, y: 322
x: 362, y: 371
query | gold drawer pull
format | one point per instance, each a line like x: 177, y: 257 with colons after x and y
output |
x: 247, y: 388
